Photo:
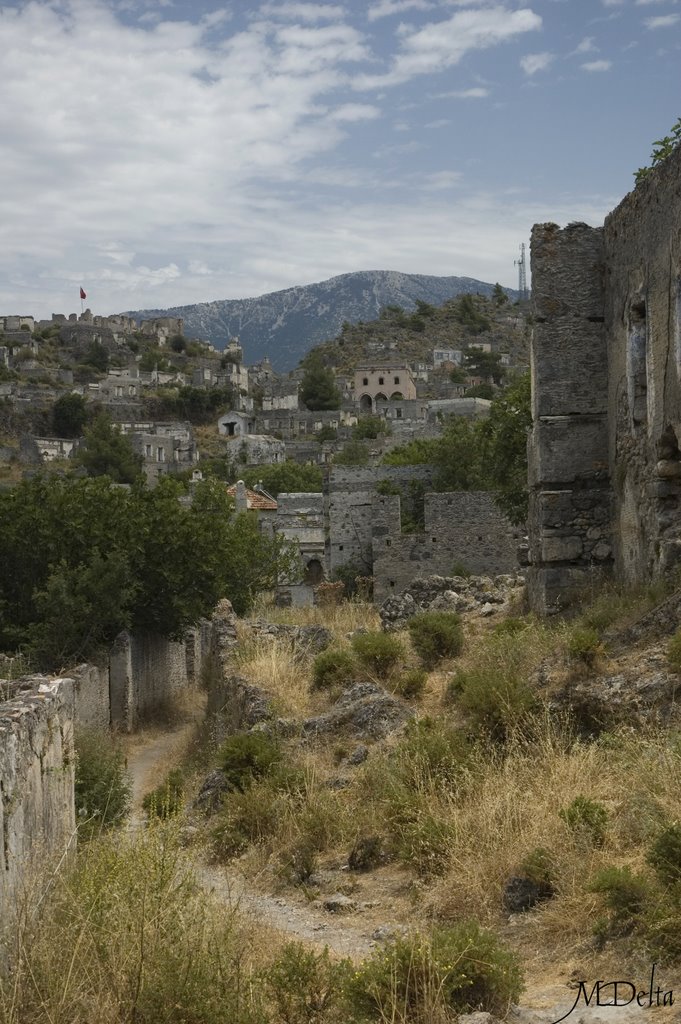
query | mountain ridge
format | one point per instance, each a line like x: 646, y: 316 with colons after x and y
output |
x: 283, y: 325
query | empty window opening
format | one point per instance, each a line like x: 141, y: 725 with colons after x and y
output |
x: 637, y: 367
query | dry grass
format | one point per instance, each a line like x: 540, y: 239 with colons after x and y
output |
x: 340, y: 619
x: 273, y: 664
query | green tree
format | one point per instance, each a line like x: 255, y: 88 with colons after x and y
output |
x: 97, y: 356
x: 285, y: 477
x: 353, y: 453
x: 318, y: 389
x: 484, y: 364
x: 107, y: 452
x: 481, y: 391
x: 370, y: 427
x: 504, y: 444
x: 69, y: 415
x: 663, y: 148
x: 499, y: 296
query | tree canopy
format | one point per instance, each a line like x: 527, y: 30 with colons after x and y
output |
x: 318, y: 388
x: 82, y: 560
x: 488, y: 454
x: 107, y: 452
x: 69, y: 415
x: 284, y: 477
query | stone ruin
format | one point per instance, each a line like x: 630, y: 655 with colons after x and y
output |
x: 604, y: 458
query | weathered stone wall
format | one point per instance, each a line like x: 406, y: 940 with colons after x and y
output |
x: 643, y: 319
x: 461, y: 528
x: 349, y: 511
x: 92, y: 707
x: 569, y: 519
x: 37, y: 815
x: 605, y: 464
x: 145, y: 672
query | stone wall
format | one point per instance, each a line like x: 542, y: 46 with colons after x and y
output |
x: 349, y: 509
x: 461, y: 529
x: 568, y: 447
x: 145, y: 672
x: 605, y: 461
x: 37, y: 815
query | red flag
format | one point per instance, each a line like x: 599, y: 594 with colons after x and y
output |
x: 82, y: 294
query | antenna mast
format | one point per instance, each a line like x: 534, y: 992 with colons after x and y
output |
x: 522, y: 272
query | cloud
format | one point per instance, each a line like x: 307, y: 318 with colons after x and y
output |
x: 385, y: 8
x: 597, y: 65
x: 534, y: 62
x: 613, y: 3
x: 302, y: 11
x: 477, y: 92
x: 440, y: 45
x: 646, y: 3
x: 663, y: 21
x: 587, y: 45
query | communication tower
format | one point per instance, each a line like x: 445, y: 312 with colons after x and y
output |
x: 522, y: 273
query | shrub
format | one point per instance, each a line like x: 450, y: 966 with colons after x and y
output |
x: 625, y: 896
x: 424, y: 842
x: 495, y: 699
x: 102, y: 785
x: 377, y: 652
x: 418, y: 978
x: 510, y: 627
x: 433, y: 754
x: 333, y: 668
x: 539, y: 868
x: 411, y: 684
x: 587, y: 819
x: 367, y: 853
x: 166, y: 800
x: 436, y: 635
x: 328, y: 595
x: 305, y: 986
x: 664, y: 855
x: 584, y: 645
x: 248, y: 756
x: 674, y: 652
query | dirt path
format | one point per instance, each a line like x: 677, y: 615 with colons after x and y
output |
x: 151, y: 755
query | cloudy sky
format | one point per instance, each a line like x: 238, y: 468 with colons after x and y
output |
x: 160, y: 152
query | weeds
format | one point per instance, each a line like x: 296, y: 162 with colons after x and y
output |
x: 102, y: 785
x: 435, y: 636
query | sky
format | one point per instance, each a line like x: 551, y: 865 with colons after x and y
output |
x: 160, y: 153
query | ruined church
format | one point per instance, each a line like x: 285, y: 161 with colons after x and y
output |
x: 604, y: 459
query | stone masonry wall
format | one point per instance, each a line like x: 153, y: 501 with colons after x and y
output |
x: 462, y: 528
x: 37, y: 815
x: 145, y: 671
x: 642, y: 239
x: 569, y: 518
x: 349, y: 511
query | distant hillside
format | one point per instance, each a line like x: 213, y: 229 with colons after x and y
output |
x: 284, y: 325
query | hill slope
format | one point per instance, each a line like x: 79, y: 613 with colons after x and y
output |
x: 284, y: 325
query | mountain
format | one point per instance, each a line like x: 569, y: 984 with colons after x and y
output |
x: 284, y: 325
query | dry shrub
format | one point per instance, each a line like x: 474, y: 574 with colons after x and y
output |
x: 341, y: 619
x: 278, y: 668
x: 126, y: 934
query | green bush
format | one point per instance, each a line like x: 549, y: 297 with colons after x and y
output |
x: 248, y: 756
x: 664, y: 855
x: 539, y: 866
x: 433, y: 753
x: 584, y: 644
x: 333, y: 668
x: 495, y: 700
x: 411, y: 683
x: 377, y: 652
x: 587, y: 819
x: 418, y: 978
x: 102, y: 785
x: 306, y: 987
x: 166, y: 800
x: 625, y: 896
x: 674, y: 652
x: 436, y: 635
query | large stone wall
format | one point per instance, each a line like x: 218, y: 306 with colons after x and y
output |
x: 145, y: 672
x: 349, y: 509
x: 605, y: 465
x: 462, y: 529
x: 37, y: 816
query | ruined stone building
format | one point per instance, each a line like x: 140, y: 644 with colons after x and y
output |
x: 605, y: 465
x: 382, y: 383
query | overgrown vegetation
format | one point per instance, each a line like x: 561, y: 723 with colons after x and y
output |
x: 82, y: 560
x: 102, y: 785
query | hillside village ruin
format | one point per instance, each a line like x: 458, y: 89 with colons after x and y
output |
x: 267, y: 423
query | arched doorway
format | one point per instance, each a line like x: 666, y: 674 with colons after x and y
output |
x: 314, y: 573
